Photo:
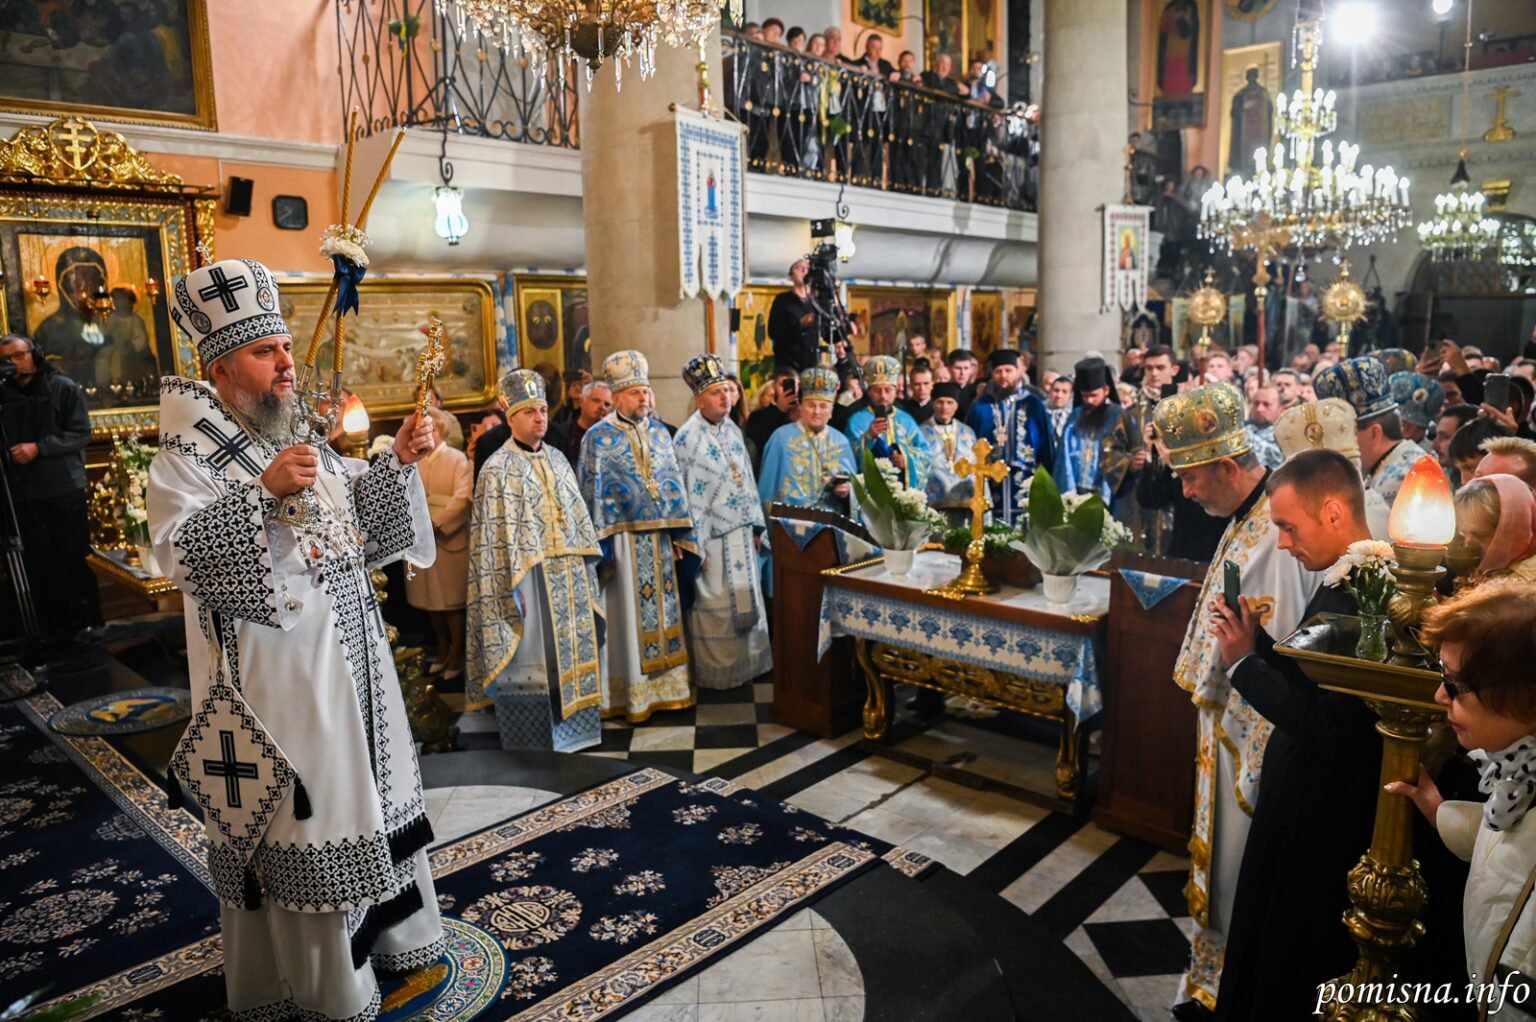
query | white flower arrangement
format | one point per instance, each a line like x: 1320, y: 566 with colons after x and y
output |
x: 897, y: 516
x: 346, y: 241
x: 1365, y: 570
x: 133, y: 458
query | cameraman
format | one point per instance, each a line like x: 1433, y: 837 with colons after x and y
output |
x: 47, y: 428
x: 792, y: 321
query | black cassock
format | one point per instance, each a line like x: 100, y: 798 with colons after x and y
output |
x: 1317, y: 804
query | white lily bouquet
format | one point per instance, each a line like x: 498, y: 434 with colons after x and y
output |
x: 1365, y: 571
x: 896, y: 515
x: 133, y: 458
x: 1071, y: 534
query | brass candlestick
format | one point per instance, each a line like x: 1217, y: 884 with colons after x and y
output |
x: 972, y: 581
x: 1344, y: 304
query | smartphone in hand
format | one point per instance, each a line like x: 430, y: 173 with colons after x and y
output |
x: 1496, y: 390
x: 1233, y: 584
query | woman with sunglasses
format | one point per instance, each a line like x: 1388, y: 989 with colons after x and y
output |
x: 1487, y: 641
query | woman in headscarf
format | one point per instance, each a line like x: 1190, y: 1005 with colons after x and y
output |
x: 1498, y: 513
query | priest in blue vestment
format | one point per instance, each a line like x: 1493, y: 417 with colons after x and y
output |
x: 634, y: 489
x: 727, y: 627
x: 885, y: 430
x: 807, y: 463
x: 1079, y: 465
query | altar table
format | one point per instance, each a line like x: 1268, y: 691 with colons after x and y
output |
x: 128, y: 588
x: 1011, y: 649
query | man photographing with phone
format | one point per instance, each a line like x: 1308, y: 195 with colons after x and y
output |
x: 47, y: 429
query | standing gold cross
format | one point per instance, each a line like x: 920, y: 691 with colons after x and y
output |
x: 981, y: 469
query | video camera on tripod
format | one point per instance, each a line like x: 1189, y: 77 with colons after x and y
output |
x: 832, y: 320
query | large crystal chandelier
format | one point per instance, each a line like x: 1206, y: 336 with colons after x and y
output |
x: 591, y: 30
x: 1460, y: 229
x: 1299, y: 198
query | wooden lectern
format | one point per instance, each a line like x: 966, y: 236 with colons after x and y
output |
x: 825, y: 698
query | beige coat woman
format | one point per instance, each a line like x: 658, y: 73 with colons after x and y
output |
x: 440, y: 589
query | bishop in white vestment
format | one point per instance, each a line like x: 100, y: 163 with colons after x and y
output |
x: 299, y: 753
x: 727, y: 627
x: 534, y: 604
x: 634, y: 490
x: 1209, y: 450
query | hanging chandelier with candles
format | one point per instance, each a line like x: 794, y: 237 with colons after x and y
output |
x: 1302, y: 196
x: 593, y: 31
x: 1461, y: 228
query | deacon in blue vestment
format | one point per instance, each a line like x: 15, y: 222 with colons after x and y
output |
x: 807, y: 463
x: 885, y: 430
x: 950, y: 441
x: 1017, y: 425
x: 727, y: 628
x: 633, y: 487
x: 1079, y: 467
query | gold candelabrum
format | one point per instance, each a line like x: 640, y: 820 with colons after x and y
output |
x: 1344, y: 306
x: 981, y: 469
x: 1386, y: 890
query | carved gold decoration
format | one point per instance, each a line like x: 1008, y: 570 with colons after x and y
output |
x: 72, y: 151
x: 1501, y: 131
x: 431, y: 720
x: 1497, y: 193
x: 1344, y: 304
x: 1207, y: 307
x: 885, y: 665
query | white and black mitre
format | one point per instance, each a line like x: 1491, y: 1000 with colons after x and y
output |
x: 227, y: 305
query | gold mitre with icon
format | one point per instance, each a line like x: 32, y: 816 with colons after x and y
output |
x: 1328, y: 423
x: 882, y: 369
x: 818, y: 384
x: 1202, y: 425
x: 625, y: 369
x: 521, y: 388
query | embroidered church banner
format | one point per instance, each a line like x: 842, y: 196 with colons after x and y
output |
x: 711, y: 205
x: 1125, y: 256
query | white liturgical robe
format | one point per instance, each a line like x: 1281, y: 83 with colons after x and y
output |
x: 1231, y: 736
x: 727, y: 626
x: 299, y: 752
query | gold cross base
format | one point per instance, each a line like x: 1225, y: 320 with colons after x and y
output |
x: 971, y: 581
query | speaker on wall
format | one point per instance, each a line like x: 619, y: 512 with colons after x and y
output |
x: 237, y: 201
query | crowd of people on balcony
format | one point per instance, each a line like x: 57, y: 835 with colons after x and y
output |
x: 813, y: 112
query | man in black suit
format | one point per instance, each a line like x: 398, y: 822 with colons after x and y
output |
x: 1318, y: 785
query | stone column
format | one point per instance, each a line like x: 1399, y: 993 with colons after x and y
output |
x: 1082, y: 168
x: 629, y: 208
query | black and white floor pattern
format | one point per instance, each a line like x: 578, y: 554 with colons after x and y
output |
x: 1116, y: 902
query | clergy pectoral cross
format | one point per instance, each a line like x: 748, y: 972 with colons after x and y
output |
x: 980, y: 468
x: 231, y: 768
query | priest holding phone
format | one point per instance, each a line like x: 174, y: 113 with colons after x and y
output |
x: 884, y: 429
x: 1201, y: 436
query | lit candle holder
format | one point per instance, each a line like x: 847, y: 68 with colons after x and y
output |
x: 354, y: 426
x: 1422, y: 525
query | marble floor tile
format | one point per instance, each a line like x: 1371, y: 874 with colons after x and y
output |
x: 686, y: 992
x: 1131, y: 902
x: 1167, y: 862
x: 656, y: 1011
x: 994, y: 827
x: 1057, y: 869
x: 725, y: 713
x: 826, y: 803
x: 800, y: 920
x: 1080, y: 944
x: 474, y: 807
x: 659, y: 739
x: 958, y: 853
x: 772, y: 732
x: 762, y: 691
x: 840, y: 976
x: 843, y: 1009
x: 930, y: 801
x: 437, y: 800
x: 887, y: 826
x: 802, y: 757
x: 705, y: 760
x: 1150, y: 997
x: 779, y: 965
x: 797, y: 1010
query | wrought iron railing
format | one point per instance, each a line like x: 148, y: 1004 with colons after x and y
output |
x: 808, y: 117
x: 403, y: 64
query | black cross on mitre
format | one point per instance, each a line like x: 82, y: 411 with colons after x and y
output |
x: 223, y: 288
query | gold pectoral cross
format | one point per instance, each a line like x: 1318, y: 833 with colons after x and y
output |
x: 981, y: 469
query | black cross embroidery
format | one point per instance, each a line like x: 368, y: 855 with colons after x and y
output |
x: 231, y: 769
x: 233, y: 447
x: 223, y: 288
x: 329, y: 460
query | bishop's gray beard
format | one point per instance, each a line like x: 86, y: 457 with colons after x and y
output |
x: 268, y: 414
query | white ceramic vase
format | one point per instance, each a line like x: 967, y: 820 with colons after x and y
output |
x: 1060, y: 589
x: 898, y: 562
